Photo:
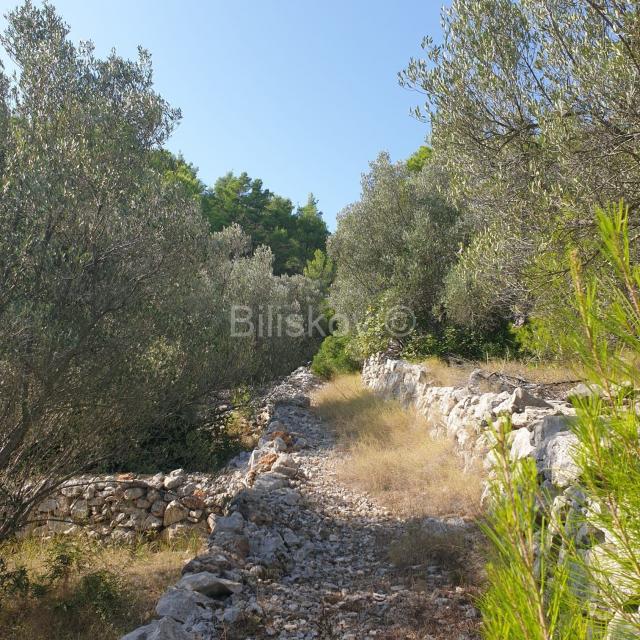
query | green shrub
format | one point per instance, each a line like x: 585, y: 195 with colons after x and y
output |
x: 101, y: 591
x: 116, y: 300
x: 334, y: 357
x: 371, y: 334
x: 461, y: 342
x: 397, y: 242
x: 540, y: 606
x: 570, y: 569
x: 13, y: 581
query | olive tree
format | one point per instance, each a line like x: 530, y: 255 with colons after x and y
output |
x: 395, y: 244
x: 534, y: 111
x: 114, y: 296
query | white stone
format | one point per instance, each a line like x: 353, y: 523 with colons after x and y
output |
x: 48, y: 506
x: 209, y: 584
x: 182, y: 604
x: 133, y: 493
x: 521, y: 446
x: 174, y: 512
x: 555, y: 459
x: 151, y: 523
x: 158, y: 508
x: 163, y: 629
x: 79, y: 510
x: 175, y: 479
x: 232, y: 524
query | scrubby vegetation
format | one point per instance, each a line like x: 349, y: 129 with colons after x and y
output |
x: 573, y: 570
x: 294, y: 234
x: 333, y: 357
x: 532, y: 113
x: 74, y: 589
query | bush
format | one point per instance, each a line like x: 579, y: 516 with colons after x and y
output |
x: 570, y: 567
x: 464, y: 343
x: 75, y: 588
x: 103, y: 592
x: 334, y: 358
x: 395, y: 244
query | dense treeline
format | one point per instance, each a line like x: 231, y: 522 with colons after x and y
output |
x: 534, y: 114
x: 115, y: 294
x: 292, y: 234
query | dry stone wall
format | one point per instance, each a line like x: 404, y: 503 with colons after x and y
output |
x: 217, y: 589
x: 121, y: 507
x: 541, y: 428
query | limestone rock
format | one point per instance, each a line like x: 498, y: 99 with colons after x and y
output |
x: 175, y: 479
x: 519, y: 400
x: 193, y: 502
x: 151, y: 523
x: 79, y: 510
x: 158, y: 507
x: 174, y: 512
x: 163, y: 629
x: 555, y: 459
x: 549, y: 426
x: 209, y: 584
x: 233, y: 523
x: 270, y: 481
x: 48, y: 506
x: 267, y: 547
x: 72, y: 490
x: 212, y: 562
x: 236, y: 543
x: 583, y: 390
x: 133, y: 493
x: 286, y: 465
x: 623, y: 626
x: 521, y: 445
x: 187, y: 489
x: 182, y: 604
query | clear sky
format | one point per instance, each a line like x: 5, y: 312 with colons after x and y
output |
x: 299, y: 93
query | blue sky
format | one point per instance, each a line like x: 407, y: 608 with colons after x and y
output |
x: 301, y: 94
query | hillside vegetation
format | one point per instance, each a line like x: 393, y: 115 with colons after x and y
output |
x: 533, y: 112
x: 116, y: 296
x: 508, y: 240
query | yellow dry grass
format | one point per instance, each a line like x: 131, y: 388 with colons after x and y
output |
x: 445, y: 375
x: 390, y: 454
x: 70, y: 608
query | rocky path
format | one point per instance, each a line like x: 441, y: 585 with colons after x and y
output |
x: 300, y: 556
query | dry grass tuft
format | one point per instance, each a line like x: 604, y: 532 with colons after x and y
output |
x: 391, y: 455
x: 99, y: 592
x: 444, y: 374
x: 456, y: 549
x: 536, y: 372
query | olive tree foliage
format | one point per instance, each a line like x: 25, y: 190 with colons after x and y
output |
x: 534, y: 112
x: 114, y: 296
x: 394, y: 246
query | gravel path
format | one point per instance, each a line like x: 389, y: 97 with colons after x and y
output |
x: 301, y: 556
x: 341, y: 583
